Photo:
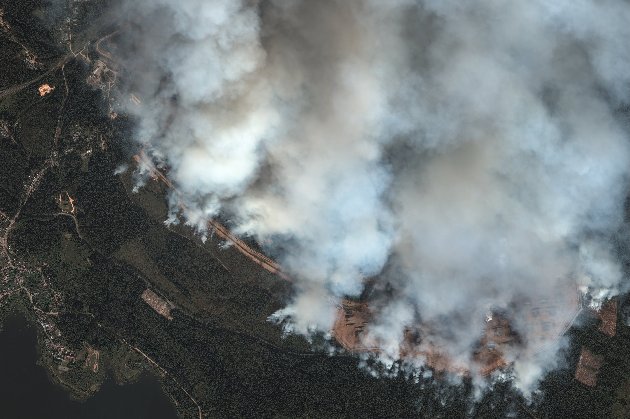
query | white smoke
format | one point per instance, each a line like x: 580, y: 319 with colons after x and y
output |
x: 466, y: 154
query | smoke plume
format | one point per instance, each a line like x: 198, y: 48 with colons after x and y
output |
x: 462, y: 156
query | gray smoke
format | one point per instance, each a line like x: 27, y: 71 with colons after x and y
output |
x: 467, y: 155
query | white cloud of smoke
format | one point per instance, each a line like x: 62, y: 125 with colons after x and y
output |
x: 469, y: 155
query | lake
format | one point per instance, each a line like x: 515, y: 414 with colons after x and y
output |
x: 26, y: 392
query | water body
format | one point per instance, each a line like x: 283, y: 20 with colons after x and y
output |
x: 27, y: 393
